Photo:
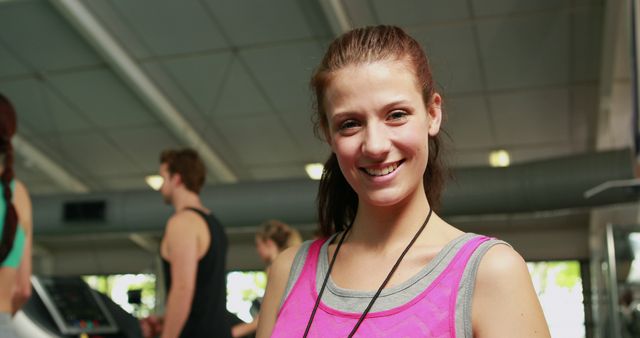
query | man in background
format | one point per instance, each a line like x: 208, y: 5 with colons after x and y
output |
x: 193, y: 250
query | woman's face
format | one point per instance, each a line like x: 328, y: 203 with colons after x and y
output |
x: 265, y: 249
x: 378, y: 127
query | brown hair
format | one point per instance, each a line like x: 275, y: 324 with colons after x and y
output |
x: 8, y: 127
x: 280, y: 233
x: 186, y: 163
x: 337, y: 201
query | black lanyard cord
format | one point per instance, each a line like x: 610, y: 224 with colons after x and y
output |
x: 377, y: 294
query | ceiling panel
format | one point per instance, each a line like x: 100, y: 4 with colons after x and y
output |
x: 453, y: 57
x: 61, y: 116
x: 167, y: 84
x: 301, y: 128
x: 271, y: 145
x: 502, y: 7
x: 526, y: 51
x: 419, y: 12
x: 26, y: 96
x: 517, y: 74
x: 535, y: 117
x: 468, y: 122
x: 240, y: 95
x: 249, y: 22
x: 97, y: 154
x: 23, y: 24
x: 144, y: 144
x: 103, y: 98
x: 10, y: 65
x: 284, y: 72
x: 200, y: 77
x: 172, y: 27
x: 587, y: 43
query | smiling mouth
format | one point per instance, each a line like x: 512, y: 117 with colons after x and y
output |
x: 382, y: 171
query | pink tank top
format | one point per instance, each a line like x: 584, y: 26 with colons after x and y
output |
x: 430, y: 314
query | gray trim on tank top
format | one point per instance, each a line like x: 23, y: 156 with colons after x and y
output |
x: 467, y: 286
x: 356, y: 301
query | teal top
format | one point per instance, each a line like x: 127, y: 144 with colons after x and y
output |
x: 15, y: 255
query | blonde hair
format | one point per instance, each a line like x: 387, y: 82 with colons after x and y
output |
x: 280, y: 233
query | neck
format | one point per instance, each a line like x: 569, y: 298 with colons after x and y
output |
x: 186, y: 199
x: 384, y: 227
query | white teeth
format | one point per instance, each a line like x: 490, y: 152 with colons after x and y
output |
x: 382, y: 171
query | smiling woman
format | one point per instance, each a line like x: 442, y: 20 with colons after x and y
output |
x: 390, y: 264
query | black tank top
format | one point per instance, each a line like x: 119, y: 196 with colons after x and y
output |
x: 208, y: 316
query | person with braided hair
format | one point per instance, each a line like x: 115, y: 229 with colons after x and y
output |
x: 15, y: 228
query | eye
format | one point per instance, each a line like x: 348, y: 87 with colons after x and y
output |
x: 397, y: 115
x: 348, y: 124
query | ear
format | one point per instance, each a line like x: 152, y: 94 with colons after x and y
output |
x: 434, y: 110
x: 177, y: 179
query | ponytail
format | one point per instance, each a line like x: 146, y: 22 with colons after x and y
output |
x: 10, y: 221
x: 337, y: 201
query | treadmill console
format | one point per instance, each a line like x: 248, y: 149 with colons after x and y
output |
x: 74, y: 306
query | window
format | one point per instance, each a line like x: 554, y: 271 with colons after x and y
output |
x: 244, y: 289
x: 559, y: 288
x: 117, y: 287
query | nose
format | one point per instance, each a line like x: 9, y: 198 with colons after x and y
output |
x: 376, y: 143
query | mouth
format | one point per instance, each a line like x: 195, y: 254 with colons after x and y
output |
x: 382, y: 171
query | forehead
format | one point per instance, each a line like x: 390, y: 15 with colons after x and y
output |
x: 368, y: 82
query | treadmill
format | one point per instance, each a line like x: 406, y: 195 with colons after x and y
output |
x: 62, y: 307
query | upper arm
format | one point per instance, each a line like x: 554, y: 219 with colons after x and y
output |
x: 182, y: 250
x: 22, y: 203
x: 505, y: 303
x: 277, y: 282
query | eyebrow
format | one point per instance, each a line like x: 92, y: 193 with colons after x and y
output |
x: 386, y: 107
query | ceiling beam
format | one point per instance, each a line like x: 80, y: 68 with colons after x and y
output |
x: 50, y: 168
x: 128, y: 69
x: 337, y: 16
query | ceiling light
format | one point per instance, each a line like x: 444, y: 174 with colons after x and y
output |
x: 499, y: 158
x: 154, y: 181
x: 314, y: 170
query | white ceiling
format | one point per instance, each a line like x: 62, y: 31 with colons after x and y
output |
x: 516, y: 74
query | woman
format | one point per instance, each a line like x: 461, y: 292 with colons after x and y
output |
x: 272, y: 238
x: 15, y: 228
x: 391, y: 266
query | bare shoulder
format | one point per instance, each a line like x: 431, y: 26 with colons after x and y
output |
x: 182, y: 219
x: 500, y: 261
x: 21, y: 193
x: 277, y: 282
x: 284, y: 260
x: 502, y: 271
x: 22, y: 202
x: 505, y: 303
